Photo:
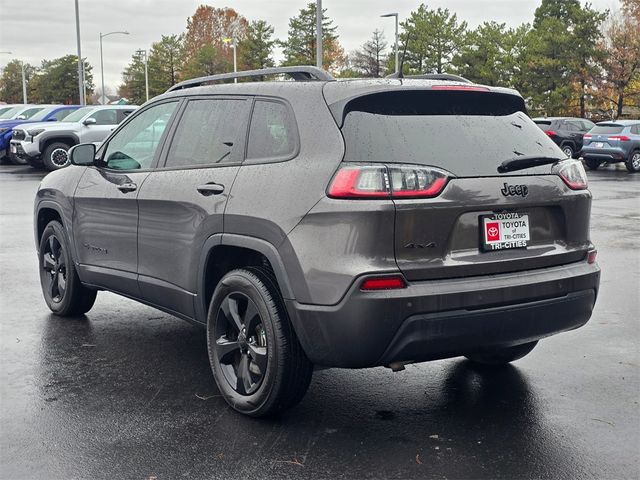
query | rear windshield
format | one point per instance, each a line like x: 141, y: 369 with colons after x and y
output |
x: 462, y: 138
x: 543, y: 123
x: 606, y: 129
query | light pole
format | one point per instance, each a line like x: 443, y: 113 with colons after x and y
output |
x: 146, y: 72
x: 80, y: 62
x: 24, y: 80
x: 394, y: 15
x: 234, y: 45
x: 319, y: 33
x: 102, y: 62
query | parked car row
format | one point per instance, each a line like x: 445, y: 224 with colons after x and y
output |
x: 604, y: 142
x: 41, y: 135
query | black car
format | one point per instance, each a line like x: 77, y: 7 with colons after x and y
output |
x: 566, y: 132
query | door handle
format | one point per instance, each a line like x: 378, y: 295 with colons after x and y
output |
x: 210, y: 189
x: 127, y: 187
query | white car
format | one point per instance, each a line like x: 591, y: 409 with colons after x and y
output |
x: 46, y: 143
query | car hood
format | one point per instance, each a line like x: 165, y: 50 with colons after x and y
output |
x: 48, y: 126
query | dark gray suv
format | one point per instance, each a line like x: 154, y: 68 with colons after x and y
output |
x: 326, y: 223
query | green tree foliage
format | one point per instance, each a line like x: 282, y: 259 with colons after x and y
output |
x: 561, y: 56
x: 433, y: 38
x: 11, y: 81
x: 57, y: 81
x: 493, y: 54
x: 256, y: 50
x: 370, y: 60
x: 300, y: 46
x: 133, y: 82
x: 165, y: 58
x: 209, y: 60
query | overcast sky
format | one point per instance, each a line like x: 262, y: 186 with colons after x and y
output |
x: 38, y: 29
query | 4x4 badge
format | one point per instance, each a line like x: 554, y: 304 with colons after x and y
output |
x: 521, y: 190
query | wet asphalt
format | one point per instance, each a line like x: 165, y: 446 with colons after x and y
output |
x: 126, y: 391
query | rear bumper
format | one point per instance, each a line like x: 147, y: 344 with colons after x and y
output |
x: 446, y: 318
x: 605, y: 154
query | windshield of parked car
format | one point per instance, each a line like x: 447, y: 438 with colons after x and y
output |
x: 466, y: 136
x: 12, y: 112
x: 3, y: 110
x: 78, y: 114
x: 607, y: 129
x: 42, y: 114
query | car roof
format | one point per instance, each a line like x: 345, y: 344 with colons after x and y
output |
x: 620, y: 123
x: 541, y: 119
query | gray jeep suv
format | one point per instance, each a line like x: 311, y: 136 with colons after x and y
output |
x: 326, y: 223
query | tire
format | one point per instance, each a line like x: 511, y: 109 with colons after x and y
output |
x: 256, y: 359
x: 633, y: 162
x: 592, y: 164
x: 568, y: 150
x: 62, y: 290
x: 502, y: 356
x: 55, y: 156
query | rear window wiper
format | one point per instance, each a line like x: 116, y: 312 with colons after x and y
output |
x: 520, y: 163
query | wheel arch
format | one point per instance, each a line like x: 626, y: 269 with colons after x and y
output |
x: 224, y: 252
x: 68, y: 138
x: 47, y: 212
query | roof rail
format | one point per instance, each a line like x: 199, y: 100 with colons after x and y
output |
x: 299, y: 74
x: 433, y: 76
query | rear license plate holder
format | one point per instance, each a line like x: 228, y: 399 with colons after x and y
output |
x: 504, y: 231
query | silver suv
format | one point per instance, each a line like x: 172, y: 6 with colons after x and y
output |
x: 46, y: 143
x: 347, y: 224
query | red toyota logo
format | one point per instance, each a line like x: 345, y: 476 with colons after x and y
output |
x: 493, y: 231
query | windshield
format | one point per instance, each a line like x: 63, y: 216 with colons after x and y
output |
x: 10, y: 113
x: 4, y: 109
x: 42, y: 113
x: 607, y: 129
x: 78, y: 114
x: 465, y: 145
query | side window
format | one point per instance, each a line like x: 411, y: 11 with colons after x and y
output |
x: 210, y: 132
x: 122, y: 114
x: 135, y: 145
x: 107, y: 116
x: 587, y: 125
x: 635, y: 129
x: 30, y: 112
x: 61, y: 114
x: 273, y: 133
x: 573, y: 126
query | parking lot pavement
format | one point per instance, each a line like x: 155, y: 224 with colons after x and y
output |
x: 126, y: 391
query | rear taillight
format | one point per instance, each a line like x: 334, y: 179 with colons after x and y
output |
x: 550, y: 133
x: 591, y: 256
x: 392, y: 282
x: 572, y: 173
x: 587, y: 136
x: 622, y: 138
x: 381, y: 181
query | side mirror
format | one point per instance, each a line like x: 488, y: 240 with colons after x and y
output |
x: 82, y: 154
x: 52, y: 119
x: 90, y: 121
x: 21, y: 117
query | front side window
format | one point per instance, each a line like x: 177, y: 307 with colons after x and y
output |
x: 272, y: 133
x: 62, y: 114
x: 135, y: 145
x: 30, y: 112
x: 209, y: 133
x: 106, y: 117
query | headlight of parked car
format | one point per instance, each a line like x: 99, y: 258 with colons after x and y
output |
x: 35, y: 131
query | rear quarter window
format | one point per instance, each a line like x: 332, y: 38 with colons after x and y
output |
x: 273, y: 134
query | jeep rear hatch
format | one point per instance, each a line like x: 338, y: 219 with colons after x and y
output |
x: 438, y: 155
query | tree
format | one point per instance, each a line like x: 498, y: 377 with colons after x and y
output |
x: 208, y: 61
x: 11, y: 81
x: 133, y: 82
x: 561, y: 56
x: 256, y: 50
x: 433, y: 38
x: 370, y: 59
x: 165, y: 58
x: 621, y: 45
x: 211, y: 26
x: 57, y: 81
x: 300, y: 46
x: 492, y: 54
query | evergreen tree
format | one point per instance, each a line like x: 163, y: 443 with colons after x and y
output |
x: 256, y: 50
x: 165, y: 58
x: 133, y: 85
x: 11, y: 81
x: 57, y: 81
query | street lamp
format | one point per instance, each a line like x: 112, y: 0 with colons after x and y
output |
x: 319, y: 33
x: 81, y: 86
x: 234, y: 45
x: 394, y: 15
x: 24, y: 79
x: 102, y: 35
x: 146, y: 72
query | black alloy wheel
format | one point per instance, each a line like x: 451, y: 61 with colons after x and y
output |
x: 241, y: 343
x: 54, y: 263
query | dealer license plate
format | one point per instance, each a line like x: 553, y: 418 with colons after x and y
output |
x: 598, y: 144
x: 14, y: 149
x: 502, y: 231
